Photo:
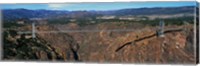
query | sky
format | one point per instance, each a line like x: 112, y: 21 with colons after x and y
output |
x: 96, y: 6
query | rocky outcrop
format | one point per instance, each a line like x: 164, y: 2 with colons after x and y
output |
x: 63, y: 43
x: 37, y: 48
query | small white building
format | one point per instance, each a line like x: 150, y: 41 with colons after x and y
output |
x: 106, y: 17
x: 39, y: 20
x: 20, y: 22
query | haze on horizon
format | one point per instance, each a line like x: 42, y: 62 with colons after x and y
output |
x: 96, y: 5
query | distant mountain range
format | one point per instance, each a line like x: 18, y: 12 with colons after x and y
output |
x: 25, y: 13
x: 10, y: 14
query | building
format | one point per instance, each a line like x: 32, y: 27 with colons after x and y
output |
x: 106, y: 17
x: 40, y: 21
x: 20, y: 22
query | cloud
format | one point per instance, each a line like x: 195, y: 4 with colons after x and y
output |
x: 58, y: 6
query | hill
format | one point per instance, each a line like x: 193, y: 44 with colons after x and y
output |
x: 13, y: 14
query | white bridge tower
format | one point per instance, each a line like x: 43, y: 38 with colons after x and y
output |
x: 33, y: 30
x: 161, y: 29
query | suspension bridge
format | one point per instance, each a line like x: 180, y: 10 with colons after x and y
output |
x: 160, y: 30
